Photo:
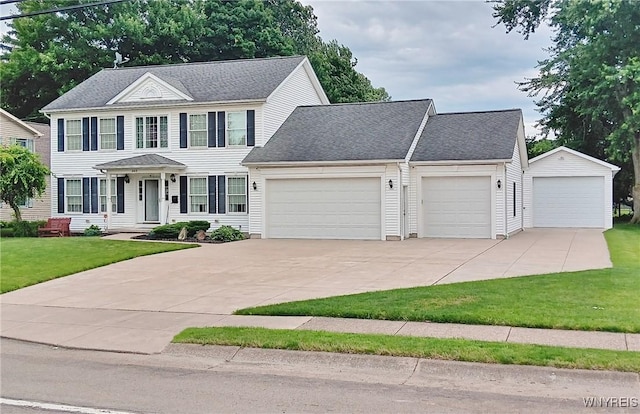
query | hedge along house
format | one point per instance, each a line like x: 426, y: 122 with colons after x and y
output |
x: 142, y: 146
x: 388, y: 171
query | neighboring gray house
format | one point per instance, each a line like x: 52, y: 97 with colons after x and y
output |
x: 389, y: 171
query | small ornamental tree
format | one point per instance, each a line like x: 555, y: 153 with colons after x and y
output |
x: 22, y: 176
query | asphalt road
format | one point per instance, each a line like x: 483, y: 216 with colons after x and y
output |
x: 211, y: 380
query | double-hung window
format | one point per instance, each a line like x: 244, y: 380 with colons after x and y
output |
x: 74, y: 195
x: 198, y: 195
x: 107, y: 129
x: 152, y: 132
x: 198, y: 130
x: 237, y: 128
x: 24, y: 142
x: 104, y: 202
x: 237, y: 194
x: 74, y: 135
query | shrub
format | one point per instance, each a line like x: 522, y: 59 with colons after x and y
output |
x: 6, y: 232
x: 26, y: 228
x: 93, y: 230
x: 171, y: 231
x: 227, y: 234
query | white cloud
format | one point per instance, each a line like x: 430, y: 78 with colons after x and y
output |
x: 443, y: 50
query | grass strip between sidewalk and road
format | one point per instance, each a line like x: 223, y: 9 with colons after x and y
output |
x: 27, y: 261
x: 417, y: 347
x: 602, y: 300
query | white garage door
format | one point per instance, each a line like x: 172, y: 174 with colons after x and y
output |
x: 568, y: 202
x: 457, y: 207
x: 323, y: 208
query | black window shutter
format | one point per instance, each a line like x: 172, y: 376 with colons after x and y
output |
x: 183, y: 194
x: 94, y: 133
x: 85, y: 134
x: 251, y: 128
x: 247, y: 193
x: 212, y: 194
x: 60, y: 195
x: 94, y: 194
x: 120, y: 194
x: 221, y: 129
x: 61, y: 140
x: 120, y: 133
x: 86, y: 200
x: 222, y: 194
x: 183, y: 130
x: 211, y: 129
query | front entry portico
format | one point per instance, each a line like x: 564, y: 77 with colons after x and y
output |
x: 146, y: 181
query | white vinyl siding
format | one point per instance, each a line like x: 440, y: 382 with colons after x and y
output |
x: 198, y: 130
x: 457, y: 206
x: 73, y: 195
x: 237, y: 194
x: 237, y: 128
x: 324, y: 208
x: 73, y: 134
x: 198, y: 195
x: 107, y: 136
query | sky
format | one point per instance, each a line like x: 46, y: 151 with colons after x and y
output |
x: 444, y: 50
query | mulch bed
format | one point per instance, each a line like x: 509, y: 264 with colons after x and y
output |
x: 187, y: 240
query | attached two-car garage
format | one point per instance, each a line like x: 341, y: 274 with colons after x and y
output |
x: 324, y: 208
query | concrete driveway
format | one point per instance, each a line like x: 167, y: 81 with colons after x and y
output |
x: 218, y: 279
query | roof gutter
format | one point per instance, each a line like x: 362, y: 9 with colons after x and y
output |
x: 318, y: 163
x: 458, y: 162
x: 139, y: 167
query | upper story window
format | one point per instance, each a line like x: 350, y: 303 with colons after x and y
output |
x: 24, y: 142
x: 237, y: 128
x: 198, y: 130
x: 107, y: 129
x: 152, y: 132
x: 74, y: 135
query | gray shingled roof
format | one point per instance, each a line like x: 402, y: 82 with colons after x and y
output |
x: 345, y: 132
x: 231, y: 80
x: 141, y: 161
x: 469, y: 136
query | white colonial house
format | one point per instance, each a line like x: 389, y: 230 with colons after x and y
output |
x: 136, y: 147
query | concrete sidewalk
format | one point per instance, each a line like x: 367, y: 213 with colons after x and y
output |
x: 150, y: 332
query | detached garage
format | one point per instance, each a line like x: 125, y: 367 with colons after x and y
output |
x: 565, y: 188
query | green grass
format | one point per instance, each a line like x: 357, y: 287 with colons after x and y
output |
x: 446, y: 349
x: 27, y: 261
x: 605, y: 300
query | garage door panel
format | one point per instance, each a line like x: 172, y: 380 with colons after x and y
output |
x: 457, y: 206
x: 324, y: 208
x: 568, y: 202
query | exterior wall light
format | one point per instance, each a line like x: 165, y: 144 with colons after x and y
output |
x: 499, y: 184
x: 390, y: 183
x: 172, y: 177
x: 127, y: 179
x: 255, y: 186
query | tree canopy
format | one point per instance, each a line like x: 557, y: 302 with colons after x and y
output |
x: 589, y: 86
x: 22, y: 176
x: 49, y: 54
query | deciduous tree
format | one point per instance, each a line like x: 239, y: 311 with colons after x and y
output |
x: 22, y: 176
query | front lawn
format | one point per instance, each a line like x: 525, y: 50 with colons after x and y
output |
x: 605, y: 300
x: 27, y: 261
x: 433, y: 348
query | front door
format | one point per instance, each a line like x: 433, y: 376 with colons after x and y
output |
x: 151, y: 210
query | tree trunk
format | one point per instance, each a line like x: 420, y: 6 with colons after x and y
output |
x: 16, y: 211
x: 635, y: 156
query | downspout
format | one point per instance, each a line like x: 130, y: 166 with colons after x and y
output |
x: 403, y: 208
x: 504, y: 196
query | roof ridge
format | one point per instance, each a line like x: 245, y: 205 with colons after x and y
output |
x: 211, y: 62
x: 480, y: 112
x: 366, y: 103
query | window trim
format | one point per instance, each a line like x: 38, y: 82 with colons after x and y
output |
x: 205, y: 195
x: 228, y: 130
x: 67, y: 147
x: 26, y: 141
x: 144, y: 132
x: 205, y: 130
x: 115, y: 134
x: 245, y: 194
x: 66, y: 195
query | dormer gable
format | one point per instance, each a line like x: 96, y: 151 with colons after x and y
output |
x: 151, y: 88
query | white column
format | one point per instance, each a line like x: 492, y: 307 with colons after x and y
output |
x: 109, y: 211
x: 163, y: 197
